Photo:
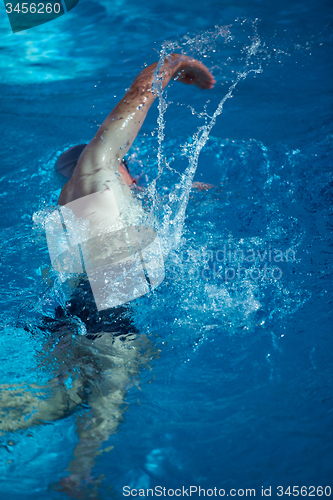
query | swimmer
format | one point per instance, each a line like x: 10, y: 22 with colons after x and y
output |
x: 105, y: 362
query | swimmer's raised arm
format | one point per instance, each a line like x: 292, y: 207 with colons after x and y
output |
x: 102, y: 156
x: 124, y: 122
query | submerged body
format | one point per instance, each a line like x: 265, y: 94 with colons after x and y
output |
x: 97, y: 368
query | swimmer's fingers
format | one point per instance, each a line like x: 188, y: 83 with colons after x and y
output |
x: 76, y: 485
x: 202, y: 186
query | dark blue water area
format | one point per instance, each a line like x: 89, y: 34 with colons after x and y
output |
x: 238, y: 391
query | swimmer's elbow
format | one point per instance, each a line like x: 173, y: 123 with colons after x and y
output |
x: 63, y: 196
x: 66, y: 194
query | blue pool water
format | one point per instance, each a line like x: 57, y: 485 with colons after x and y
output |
x: 237, y: 392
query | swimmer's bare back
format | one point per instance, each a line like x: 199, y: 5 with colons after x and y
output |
x: 98, y: 166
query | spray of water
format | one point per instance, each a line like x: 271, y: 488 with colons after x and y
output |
x: 169, y: 216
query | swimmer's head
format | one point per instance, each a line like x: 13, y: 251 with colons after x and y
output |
x: 125, y: 173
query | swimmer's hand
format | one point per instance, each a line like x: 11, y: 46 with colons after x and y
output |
x: 178, y: 67
x: 80, y: 486
x: 192, y: 72
x: 202, y: 186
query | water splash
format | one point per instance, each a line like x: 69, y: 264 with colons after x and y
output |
x: 167, y: 212
x: 170, y: 216
x: 224, y: 301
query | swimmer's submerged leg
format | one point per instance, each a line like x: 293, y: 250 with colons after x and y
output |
x: 120, y: 360
x: 108, y: 367
x: 26, y: 405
